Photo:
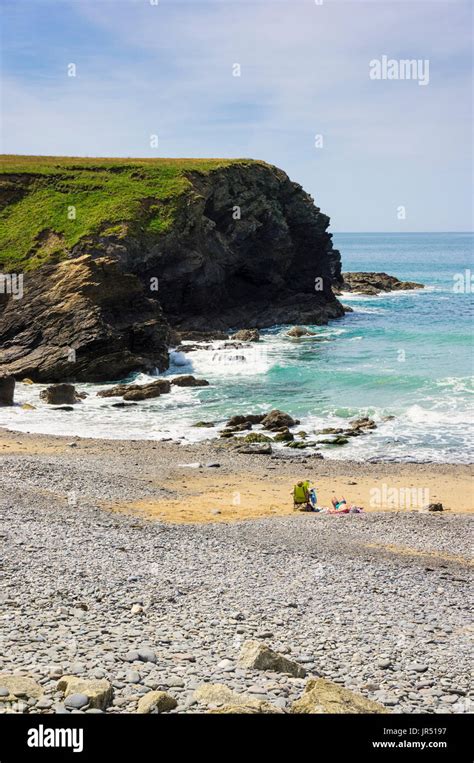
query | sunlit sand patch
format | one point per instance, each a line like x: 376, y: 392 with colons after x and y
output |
x: 226, y: 498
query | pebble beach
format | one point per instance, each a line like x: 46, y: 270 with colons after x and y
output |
x: 99, y: 583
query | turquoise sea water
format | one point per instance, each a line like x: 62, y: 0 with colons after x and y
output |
x: 407, y: 354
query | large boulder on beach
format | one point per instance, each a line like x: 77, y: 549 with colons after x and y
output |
x: 226, y: 701
x: 189, y: 381
x: 98, y: 690
x: 59, y: 394
x: 258, y: 656
x: 156, y: 702
x: 19, y: 687
x: 323, y: 696
x: 276, y: 420
x: 247, y: 335
x: 7, y: 389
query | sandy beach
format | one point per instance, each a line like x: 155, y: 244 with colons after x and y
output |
x: 174, y: 483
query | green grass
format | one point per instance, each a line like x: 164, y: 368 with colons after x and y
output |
x: 111, y: 197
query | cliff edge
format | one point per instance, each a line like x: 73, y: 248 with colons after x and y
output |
x: 114, y: 252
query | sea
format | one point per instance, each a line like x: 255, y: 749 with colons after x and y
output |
x: 405, y: 359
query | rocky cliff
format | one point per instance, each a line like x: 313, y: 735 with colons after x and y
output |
x: 152, y: 244
x: 84, y: 320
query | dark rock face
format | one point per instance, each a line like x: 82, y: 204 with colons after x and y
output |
x: 60, y: 394
x: 82, y: 320
x: 373, y: 283
x: 247, y: 247
x: 7, y: 389
x: 275, y: 264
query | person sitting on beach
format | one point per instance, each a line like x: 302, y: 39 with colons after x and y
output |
x: 301, y: 497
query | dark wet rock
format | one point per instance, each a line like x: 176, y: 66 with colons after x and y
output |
x: 203, y: 424
x: 59, y: 394
x: 137, y: 391
x: 277, y: 420
x: 7, y: 389
x: 251, y: 418
x: 240, y: 427
x: 189, y: 381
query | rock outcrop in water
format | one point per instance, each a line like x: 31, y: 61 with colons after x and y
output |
x: 240, y: 246
x: 373, y: 284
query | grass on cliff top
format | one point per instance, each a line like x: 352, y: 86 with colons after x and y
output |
x: 53, y: 202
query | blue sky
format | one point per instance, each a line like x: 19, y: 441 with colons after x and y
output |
x: 167, y: 70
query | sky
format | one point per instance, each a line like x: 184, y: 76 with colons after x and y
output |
x: 392, y: 154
